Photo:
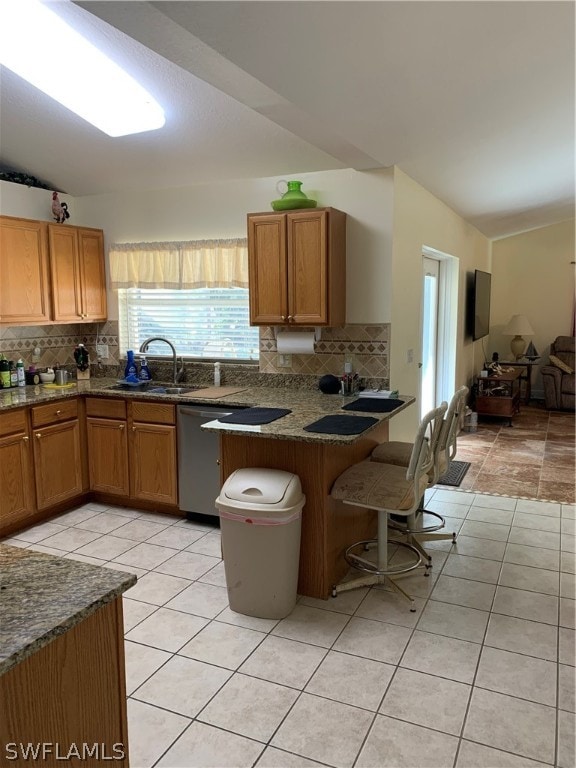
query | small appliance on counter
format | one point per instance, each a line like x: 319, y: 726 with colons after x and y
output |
x: 82, y: 362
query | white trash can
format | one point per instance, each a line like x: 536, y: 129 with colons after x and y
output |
x: 260, y: 521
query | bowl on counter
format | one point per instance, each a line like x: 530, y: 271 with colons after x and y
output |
x: 47, y: 377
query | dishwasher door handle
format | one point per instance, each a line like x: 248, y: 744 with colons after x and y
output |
x: 203, y: 414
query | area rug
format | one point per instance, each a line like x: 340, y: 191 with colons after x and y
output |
x: 455, y: 473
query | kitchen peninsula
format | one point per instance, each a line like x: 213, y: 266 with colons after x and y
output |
x: 317, y: 458
x: 62, y: 680
x: 328, y: 527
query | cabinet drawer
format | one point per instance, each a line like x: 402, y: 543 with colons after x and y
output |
x: 13, y: 423
x: 154, y: 413
x: 62, y: 410
x: 105, y: 408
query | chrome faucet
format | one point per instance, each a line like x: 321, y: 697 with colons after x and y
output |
x: 178, y: 373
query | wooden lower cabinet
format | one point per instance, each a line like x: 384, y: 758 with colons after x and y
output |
x: 153, y: 471
x: 132, y: 449
x: 108, y: 456
x: 17, y: 495
x: 57, y: 463
x: 70, y: 692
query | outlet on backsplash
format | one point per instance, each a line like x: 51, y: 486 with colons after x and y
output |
x: 102, y: 351
x: 284, y: 361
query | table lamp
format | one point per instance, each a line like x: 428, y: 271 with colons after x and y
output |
x: 518, y: 326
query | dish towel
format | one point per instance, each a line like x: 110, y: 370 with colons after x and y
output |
x: 255, y: 416
x: 341, y: 425
x: 373, y: 405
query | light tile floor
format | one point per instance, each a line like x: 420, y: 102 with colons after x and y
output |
x: 481, y: 676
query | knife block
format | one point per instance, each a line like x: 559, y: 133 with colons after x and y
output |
x: 82, y: 375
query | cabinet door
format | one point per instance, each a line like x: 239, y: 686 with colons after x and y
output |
x: 307, y: 252
x: 153, y: 468
x: 24, y: 287
x: 92, y: 274
x: 16, y: 480
x: 108, y: 456
x: 57, y: 463
x: 267, y: 269
x: 65, y: 272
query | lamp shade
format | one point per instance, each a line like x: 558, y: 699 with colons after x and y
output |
x: 518, y: 325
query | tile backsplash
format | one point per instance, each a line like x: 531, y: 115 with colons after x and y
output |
x: 57, y: 342
x: 365, y: 346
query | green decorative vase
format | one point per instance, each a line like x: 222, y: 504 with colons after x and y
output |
x: 292, y: 198
x: 294, y: 192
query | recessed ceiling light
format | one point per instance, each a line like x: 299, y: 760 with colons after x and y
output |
x: 40, y: 47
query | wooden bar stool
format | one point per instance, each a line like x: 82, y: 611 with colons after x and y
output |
x: 388, y: 489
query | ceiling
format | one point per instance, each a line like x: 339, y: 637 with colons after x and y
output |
x: 473, y: 100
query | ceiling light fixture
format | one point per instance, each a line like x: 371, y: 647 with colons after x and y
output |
x: 40, y: 47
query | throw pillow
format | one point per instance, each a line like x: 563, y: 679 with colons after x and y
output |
x: 560, y: 364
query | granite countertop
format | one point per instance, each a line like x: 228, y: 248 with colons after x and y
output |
x: 42, y: 596
x: 306, y: 406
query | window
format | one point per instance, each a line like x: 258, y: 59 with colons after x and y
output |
x: 201, y: 323
x: 194, y: 293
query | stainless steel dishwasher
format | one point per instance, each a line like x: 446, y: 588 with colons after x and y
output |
x: 198, y: 457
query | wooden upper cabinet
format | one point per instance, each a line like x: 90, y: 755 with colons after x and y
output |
x: 78, y: 276
x: 24, y: 282
x: 297, y: 267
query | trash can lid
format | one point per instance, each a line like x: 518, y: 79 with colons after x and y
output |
x: 263, y: 486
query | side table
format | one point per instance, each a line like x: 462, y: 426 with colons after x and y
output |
x: 526, y: 376
x: 499, y: 394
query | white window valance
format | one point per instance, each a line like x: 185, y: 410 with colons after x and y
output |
x: 185, y: 265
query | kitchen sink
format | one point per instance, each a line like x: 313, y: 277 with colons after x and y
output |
x: 145, y: 389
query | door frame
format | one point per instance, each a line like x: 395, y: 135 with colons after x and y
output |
x: 447, y: 323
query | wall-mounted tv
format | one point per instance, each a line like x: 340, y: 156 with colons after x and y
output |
x: 479, y: 305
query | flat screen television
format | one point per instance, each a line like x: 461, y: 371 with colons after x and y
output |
x: 480, y: 305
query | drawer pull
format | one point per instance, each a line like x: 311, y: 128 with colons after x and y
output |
x: 38, y: 435
x: 25, y: 439
x: 58, y: 413
x: 121, y: 426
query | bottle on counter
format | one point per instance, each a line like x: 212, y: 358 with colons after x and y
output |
x: 4, y: 373
x: 144, y: 372
x: 13, y: 374
x: 130, y: 369
x: 20, y: 373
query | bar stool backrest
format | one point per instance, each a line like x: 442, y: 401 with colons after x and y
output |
x: 447, y: 440
x: 423, y: 453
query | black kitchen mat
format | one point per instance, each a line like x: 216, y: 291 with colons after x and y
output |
x: 373, y: 404
x: 255, y: 416
x: 341, y: 425
x: 455, y: 473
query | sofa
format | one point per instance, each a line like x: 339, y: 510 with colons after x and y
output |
x: 558, y: 376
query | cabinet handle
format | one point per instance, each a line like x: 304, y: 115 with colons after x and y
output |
x: 25, y: 439
x: 133, y: 429
x: 38, y: 435
x: 121, y: 426
x: 290, y: 318
x: 58, y: 413
x: 283, y: 317
x: 218, y: 462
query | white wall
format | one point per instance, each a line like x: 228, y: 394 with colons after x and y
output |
x: 31, y: 202
x: 219, y: 210
x: 533, y: 276
x: 420, y: 220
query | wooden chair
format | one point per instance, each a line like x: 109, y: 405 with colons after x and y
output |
x: 388, y: 489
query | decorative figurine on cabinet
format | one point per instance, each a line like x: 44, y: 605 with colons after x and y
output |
x: 59, y: 210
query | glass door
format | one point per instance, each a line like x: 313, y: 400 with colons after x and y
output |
x: 429, y: 346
